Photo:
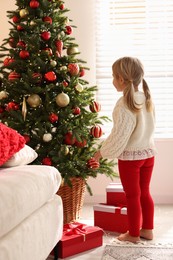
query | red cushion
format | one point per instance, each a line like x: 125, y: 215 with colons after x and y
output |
x: 10, y: 143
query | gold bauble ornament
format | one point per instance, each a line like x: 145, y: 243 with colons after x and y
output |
x: 79, y: 87
x: 24, y: 109
x: 23, y: 13
x: 72, y: 50
x: 3, y: 94
x: 53, y: 63
x: 32, y: 23
x: 64, y: 150
x: 34, y: 100
x: 62, y: 99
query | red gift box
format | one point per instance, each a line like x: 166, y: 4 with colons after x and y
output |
x: 111, y: 218
x: 77, y: 238
x: 115, y: 195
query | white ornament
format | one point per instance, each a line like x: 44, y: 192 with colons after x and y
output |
x: 53, y: 63
x: 79, y: 87
x: 47, y: 137
x: 54, y: 129
x: 3, y: 94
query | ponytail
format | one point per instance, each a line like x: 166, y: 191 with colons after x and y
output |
x: 147, y: 95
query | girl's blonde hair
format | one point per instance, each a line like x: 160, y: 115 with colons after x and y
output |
x: 132, y: 72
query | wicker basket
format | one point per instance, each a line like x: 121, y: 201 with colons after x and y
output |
x: 72, y: 198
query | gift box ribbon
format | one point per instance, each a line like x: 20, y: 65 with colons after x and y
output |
x: 75, y: 229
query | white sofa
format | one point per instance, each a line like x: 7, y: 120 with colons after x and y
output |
x: 31, y: 214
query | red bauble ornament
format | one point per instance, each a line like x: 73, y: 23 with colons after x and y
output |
x: 73, y: 69
x: 69, y: 139
x: 82, y: 72
x: 61, y: 7
x: 65, y: 83
x: 20, y: 28
x: 93, y: 164
x: 76, y: 110
x: 34, y: 4
x: 12, y: 42
x: 49, y: 51
x: 27, y: 138
x: 21, y: 44
x: 96, y: 131
x: 53, y: 118
x: 45, y: 35
x: 12, y: 106
x: 81, y: 144
x: 13, y: 75
x: 8, y: 61
x: 59, y: 46
x: 47, y: 19
x: 50, y: 76
x: 68, y: 30
x: 95, y: 107
x: 47, y: 161
x: 15, y: 19
x: 24, y: 54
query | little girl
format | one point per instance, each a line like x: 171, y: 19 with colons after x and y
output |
x: 131, y: 141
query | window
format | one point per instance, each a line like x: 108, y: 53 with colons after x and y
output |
x: 144, y: 29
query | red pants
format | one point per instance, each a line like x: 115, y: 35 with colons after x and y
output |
x: 135, y: 177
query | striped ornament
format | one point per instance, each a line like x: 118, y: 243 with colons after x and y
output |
x: 93, y: 164
x: 96, y: 131
x: 13, y: 75
x: 95, y: 107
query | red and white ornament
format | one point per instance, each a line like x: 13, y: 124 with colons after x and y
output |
x: 13, y: 76
x: 95, y: 107
x: 37, y: 77
x: 50, y: 76
x: 93, y: 164
x: 96, y: 131
x: 73, y: 69
x: 34, y: 4
x: 8, y: 61
x: 24, y: 54
x: 45, y: 35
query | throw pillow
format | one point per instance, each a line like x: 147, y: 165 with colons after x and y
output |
x: 10, y: 142
x: 25, y: 156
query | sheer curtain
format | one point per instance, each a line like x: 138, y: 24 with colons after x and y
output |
x: 144, y: 29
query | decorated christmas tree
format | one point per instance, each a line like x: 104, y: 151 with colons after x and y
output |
x: 43, y: 93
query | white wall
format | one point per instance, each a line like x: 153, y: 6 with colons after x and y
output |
x: 81, y: 12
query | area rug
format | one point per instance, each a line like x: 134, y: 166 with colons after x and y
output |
x: 137, y: 252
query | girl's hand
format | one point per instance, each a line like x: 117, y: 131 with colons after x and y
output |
x: 97, y: 156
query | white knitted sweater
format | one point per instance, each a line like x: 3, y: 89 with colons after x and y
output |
x: 131, y: 137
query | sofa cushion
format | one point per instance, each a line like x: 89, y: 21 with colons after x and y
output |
x: 24, y: 189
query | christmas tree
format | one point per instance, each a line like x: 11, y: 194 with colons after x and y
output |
x: 43, y: 93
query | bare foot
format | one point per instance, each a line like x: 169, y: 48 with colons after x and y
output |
x: 146, y: 234
x: 128, y: 237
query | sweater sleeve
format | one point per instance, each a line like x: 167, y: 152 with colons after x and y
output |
x: 124, y: 123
